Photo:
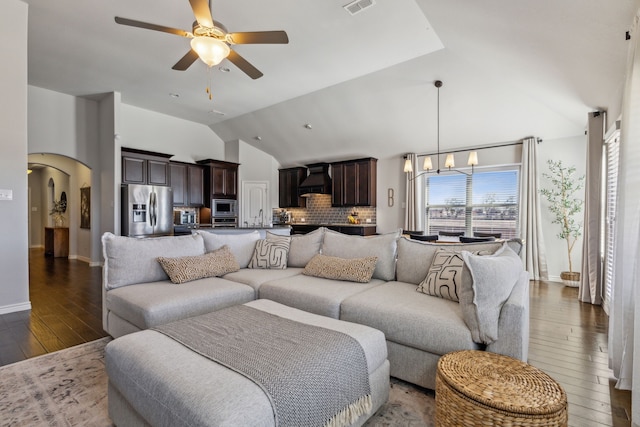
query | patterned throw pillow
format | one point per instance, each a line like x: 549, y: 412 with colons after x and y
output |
x: 349, y: 269
x: 271, y: 254
x: 445, y: 275
x: 188, y: 268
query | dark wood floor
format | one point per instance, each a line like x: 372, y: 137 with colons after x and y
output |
x: 568, y: 338
x: 66, y: 301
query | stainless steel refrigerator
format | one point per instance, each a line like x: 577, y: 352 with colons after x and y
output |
x: 147, y: 210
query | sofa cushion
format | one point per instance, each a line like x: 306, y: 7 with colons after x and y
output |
x: 383, y: 247
x: 303, y: 247
x: 415, y: 258
x: 313, y: 294
x: 151, y: 304
x: 256, y: 277
x: 352, y: 269
x: 187, y: 268
x: 130, y: 260
x: 270, y: 254
x: 493, y: 279
x: 242, y: 245
x: 406, y: 317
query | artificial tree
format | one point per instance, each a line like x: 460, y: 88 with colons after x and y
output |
x: 564, y: 206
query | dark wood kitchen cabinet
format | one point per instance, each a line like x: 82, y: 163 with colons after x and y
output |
x: 145, y: 167
x: 288, y: 183
x: 354, y: 182
x: 187, y: 182
x: 220, y: 180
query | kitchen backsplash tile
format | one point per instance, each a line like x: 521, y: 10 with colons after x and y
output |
x: 320, y: 211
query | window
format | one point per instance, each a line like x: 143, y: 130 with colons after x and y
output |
x: 485, y: 202
x: 611, y: 183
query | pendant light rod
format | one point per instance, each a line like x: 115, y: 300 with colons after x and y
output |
x: 438, y: 85
x: 449, y: 162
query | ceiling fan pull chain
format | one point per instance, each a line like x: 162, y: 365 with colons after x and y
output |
x: 209, y: 83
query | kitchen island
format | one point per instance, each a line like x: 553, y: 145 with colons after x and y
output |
x: 366, y: 229
x: 282, y: 230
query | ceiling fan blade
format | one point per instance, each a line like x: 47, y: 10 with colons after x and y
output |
x: 186, y: 61
x: 279, y: 37
x: 202, y: 12
x: 244, y: 65
x: 155, y: 27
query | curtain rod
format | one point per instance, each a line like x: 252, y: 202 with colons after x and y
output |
x: 480, y: 147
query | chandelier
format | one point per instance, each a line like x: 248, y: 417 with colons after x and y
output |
x: 449, y: 162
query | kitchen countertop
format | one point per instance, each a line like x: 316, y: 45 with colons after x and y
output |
x: 335, y: 224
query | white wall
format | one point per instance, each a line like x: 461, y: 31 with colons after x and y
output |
x: 572, y: 152
x: 151, y: 131
x: 14, y: 255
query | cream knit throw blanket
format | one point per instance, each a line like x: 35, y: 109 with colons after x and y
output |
x: 313, y: 376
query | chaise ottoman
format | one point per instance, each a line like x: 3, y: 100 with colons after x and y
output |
x: 156, y: 380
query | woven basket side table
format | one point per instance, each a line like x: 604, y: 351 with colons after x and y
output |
x: 479, y: 388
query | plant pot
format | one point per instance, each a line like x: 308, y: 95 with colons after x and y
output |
x: 570, y: 278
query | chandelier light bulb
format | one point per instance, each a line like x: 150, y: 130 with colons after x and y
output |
x: 407, y: 166
x: 427, y: 165
x: 449, y: 163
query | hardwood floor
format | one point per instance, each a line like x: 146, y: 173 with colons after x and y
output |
x: 568, y: 338
x: 66, y: 301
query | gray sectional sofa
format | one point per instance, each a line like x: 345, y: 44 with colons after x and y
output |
x: 419, y: 328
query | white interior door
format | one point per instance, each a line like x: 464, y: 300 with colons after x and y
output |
x: 254, y: 210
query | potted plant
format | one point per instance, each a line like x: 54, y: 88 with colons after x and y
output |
x: 565, y: 206
x: 57, y: 212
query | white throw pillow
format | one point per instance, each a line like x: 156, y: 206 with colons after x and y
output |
x: 271, y: 254
x: 494, y: 277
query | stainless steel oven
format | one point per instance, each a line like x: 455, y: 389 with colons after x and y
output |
x: 224, y: 208
x: 224, y: 222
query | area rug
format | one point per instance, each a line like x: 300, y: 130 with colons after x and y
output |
x: 69, y: 388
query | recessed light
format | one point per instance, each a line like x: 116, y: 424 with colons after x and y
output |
x: 257, y: 138
x: 224, y: 69
x: 308, y: 126
x: 174, y: 95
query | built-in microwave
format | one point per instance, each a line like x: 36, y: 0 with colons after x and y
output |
x: 224, y: 208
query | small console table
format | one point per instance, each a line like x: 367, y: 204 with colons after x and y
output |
x: 56, y: 242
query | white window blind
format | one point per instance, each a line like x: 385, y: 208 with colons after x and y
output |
x: 611, y: 183
x: 485, y: 202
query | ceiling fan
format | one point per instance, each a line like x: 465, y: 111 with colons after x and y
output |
x: 210, y: 40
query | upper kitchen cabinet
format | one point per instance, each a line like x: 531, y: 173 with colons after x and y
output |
x: 145, y: 167
x: 187, y: 182
x: 354, y: 182
x: 289, y: 180
x: 220, y: 180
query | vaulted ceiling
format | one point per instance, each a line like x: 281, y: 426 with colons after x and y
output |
x: 363, y: 82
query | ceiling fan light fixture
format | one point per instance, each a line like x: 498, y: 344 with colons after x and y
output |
x: 210, y: 50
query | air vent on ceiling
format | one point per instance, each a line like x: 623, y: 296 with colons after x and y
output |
x: 358, y: 6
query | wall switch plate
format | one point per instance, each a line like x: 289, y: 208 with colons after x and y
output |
x: 6, y: 194
x: 368, y: 220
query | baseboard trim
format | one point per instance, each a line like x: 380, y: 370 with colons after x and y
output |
x: 95, y: 264
x: 555, y: 279
x: 12, y: 308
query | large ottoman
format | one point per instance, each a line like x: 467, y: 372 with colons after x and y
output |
x: 155, y: 380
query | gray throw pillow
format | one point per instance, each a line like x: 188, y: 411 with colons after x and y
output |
x: 382, y: 247
x: 242, y: 245
x: 303, y: 247
x: 494, y: 277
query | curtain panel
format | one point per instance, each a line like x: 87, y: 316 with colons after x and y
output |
x: 622, y: 319
x: 530, y: 219
x: 591, y: 278
x: 414, y: 213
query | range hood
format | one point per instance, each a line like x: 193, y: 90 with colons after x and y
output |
x: 317, y: 182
